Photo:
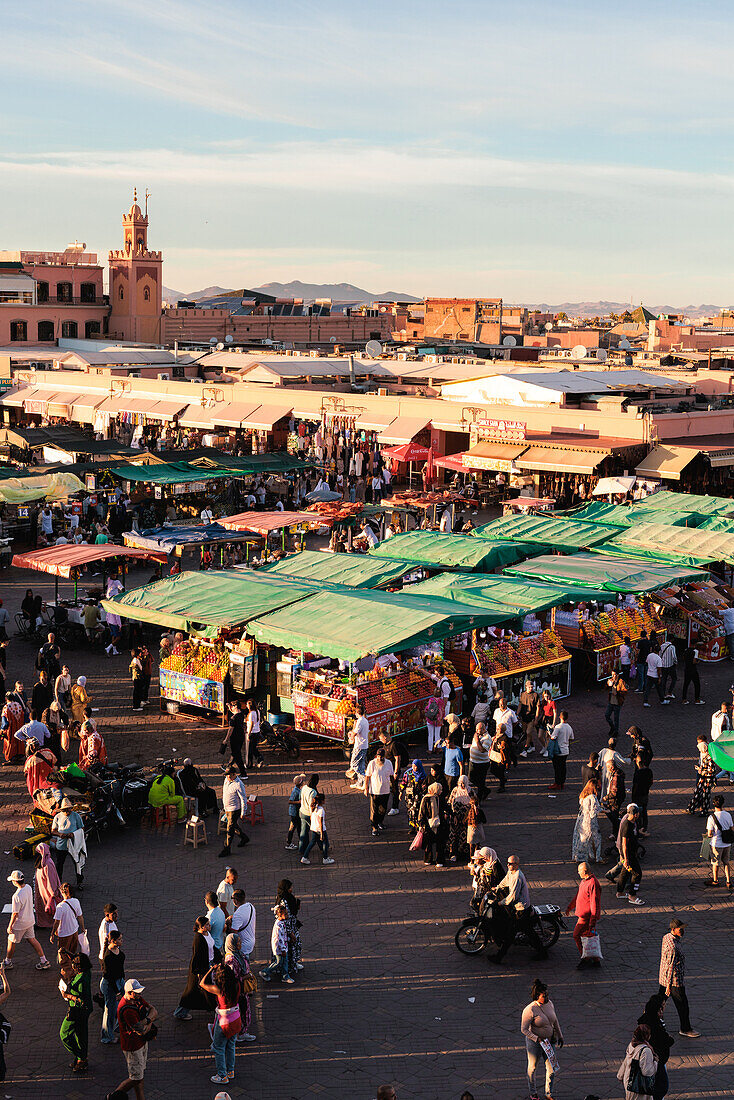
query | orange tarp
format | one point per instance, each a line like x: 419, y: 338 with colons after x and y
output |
x: 61, y: 561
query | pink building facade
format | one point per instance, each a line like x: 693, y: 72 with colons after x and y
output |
x: 48, y: 295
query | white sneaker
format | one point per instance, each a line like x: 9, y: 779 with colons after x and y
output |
x: 306, y: 861
x: 328, y: 860
x: 634, y: 900
x: 393, y: 812
x: 524, y: 754
x: 245, y: 1037
x: 356, y: 786
x: 647, y: 704
x: 544, y: 753
x: 300, y: 966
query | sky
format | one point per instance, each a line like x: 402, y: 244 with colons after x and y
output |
x: 528, y: 151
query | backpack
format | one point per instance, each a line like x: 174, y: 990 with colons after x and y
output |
x: 452, y: 691
x: 432, y: 711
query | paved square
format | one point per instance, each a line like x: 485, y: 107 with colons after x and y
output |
x: 385, y: 996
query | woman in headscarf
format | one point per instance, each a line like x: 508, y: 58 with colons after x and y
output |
x: 459, y: 806
x: 660, y: 1040
x: 639, y: 1050
x: 91, y: 746
x: 204, y: 955
x: 415, y: 785
x: 587, y: 844
x: 47, y: 887
x: 80, y: 699
x: 240, y: 967
x: 74, y: 1033
x: 39, y: 764
x: 432, y: 820
x: 31, y: 609
x: 11, y: 719
x: 701, y: 800
x: 488, y: 872
x: 285, y: 896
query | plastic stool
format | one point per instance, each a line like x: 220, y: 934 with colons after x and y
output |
x: 195, y: 833
x: 162, y: 815
x: 255, y: 811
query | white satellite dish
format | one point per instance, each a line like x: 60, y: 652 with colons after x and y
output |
x: 549, y: 326
x: 601, y: 354
x: 332, y: 339
x: 228, y: 339
x: 212, y: 340
x: 624, y: 344
x: 578, y: 352
x: 267, y: 341
x: 373, y: 348
x: 509, y: 341
x: 220, y: 346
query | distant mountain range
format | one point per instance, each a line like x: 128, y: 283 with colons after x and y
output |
x: 602, y: 309
x: 343, y: 293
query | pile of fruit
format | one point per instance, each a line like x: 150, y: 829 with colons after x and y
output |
x: 609, y: 628
x: 193, y: 658
x: 515, y: 655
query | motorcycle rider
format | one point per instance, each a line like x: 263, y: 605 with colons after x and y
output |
x: 514, y: 913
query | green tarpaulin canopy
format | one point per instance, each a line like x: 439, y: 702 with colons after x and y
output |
x: 717, y: 523
x: 225, y: 598
x: 606, y: 574
x: 691, y: 545
x: 514, y: 594
x: 183, y: 473
x: 667, y: 501
x: 351, y: 570
x: 548, y: 533
x: 350, y: 624
x: 623, y: 515
x: 434, y: 550
x: 721, y: 752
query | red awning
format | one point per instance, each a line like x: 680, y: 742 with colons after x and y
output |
x: 261, y: 523
x: 407, y: 452
x: 61, y: 561
x: 452, y: 462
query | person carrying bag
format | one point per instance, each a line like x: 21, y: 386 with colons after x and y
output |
x: 637, y: 1072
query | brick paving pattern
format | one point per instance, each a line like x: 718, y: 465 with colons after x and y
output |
x: 385, y: 996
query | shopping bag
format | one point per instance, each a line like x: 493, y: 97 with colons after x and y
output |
x: 591, y: 946
x: 417, y: 841
x: 83, y: 943
x: 705, y: 852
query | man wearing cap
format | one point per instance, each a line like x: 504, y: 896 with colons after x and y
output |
x: 234, y: 803
x: 672, y: 976
x: 65, y: 823
x: 135, y: 1018
x: 22, y: 922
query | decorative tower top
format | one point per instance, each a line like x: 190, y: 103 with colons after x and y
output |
x: 135, y: 227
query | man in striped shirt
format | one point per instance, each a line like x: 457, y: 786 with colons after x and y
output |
x: 668, y: 675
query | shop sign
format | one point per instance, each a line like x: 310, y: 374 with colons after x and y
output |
x: 36, y: 408
x: 508, y: 430
x: 90, y: 482
x: 158, y: 492
x: 194, y: 691
x: 499, y: 464
x: 555, y: 678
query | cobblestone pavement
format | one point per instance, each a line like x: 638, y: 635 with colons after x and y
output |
x: 385, y: 995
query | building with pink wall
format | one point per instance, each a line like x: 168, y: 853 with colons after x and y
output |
x: 48, y: 295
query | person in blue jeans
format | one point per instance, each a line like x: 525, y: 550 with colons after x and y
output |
x: 226, y: 989
x: 112, y: 985
x: 279, y: 948
x: 453, y: 758
x: 308, y: 792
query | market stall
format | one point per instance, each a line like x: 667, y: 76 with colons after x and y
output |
x: 601, y: 634
x: 605, y: 573
x: 69, y: 560
x: 692, y: 616
x: 690, y: 545
x: 352, y: 570
x: 200, y: 676
x: 511, y: 661
x: 545, y: 533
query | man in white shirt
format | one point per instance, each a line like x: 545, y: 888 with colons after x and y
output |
x: 109, y: 924
x: 359, y: 738
x: 22, y: 922
x: 654, y: 664
x: 607, y: 754
x: 369, y: 535
x: 505, y: 719
x: 668, y: 674
x: 562, y: 734
x: 378, y: 778
x: 68, y: 922
x: 308, y: 790
x: 225, y: 891
x: 234, y: 804
x: 446, y: 523
x: 243, y: 922
x: 207, y: 516
x: 719, y: 821
x: 625, y: 659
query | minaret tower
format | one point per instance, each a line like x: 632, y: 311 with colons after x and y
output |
x: 136, y: 281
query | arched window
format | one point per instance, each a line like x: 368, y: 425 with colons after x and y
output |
x: 88, y: 292
x: 69, y: 329
x: 146, y: 294
x: 18, y: 331
x: 45, y: 330
x: 64, y: 292
x: 91, y: 329
x: 140, y: 244
x: 120, y: 294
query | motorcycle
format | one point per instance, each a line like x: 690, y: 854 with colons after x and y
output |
x: 477, y: 932
x: 281, y: 739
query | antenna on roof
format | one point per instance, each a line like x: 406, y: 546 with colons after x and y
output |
x: 373, y: 349
x: 578, y: 352
x: 509, y: 342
